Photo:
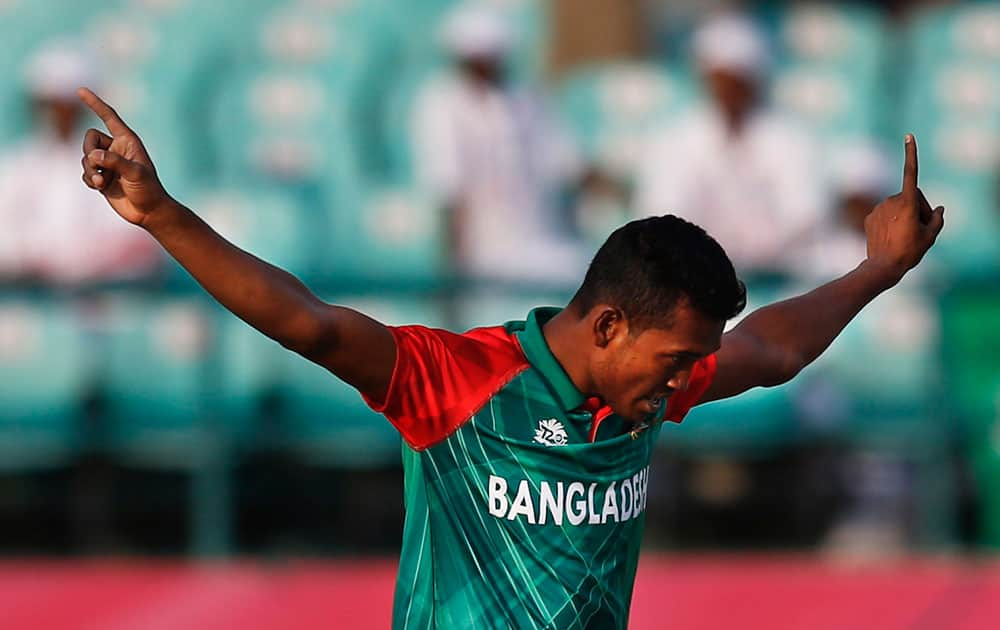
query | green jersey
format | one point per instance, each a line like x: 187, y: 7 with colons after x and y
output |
x: 525, y: 500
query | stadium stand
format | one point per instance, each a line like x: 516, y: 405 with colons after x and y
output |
x: 282, y: 123
x: 43, y: 381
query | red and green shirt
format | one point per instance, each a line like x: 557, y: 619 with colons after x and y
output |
x: 525, y: 500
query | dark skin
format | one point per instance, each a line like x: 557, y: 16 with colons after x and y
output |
x: 598, y: 349
x: 488, y: 70
x: 734, y: 95
x: 854, y: 210
x: 62, y: 116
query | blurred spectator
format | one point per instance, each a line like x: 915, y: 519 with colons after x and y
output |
x: 55, y: 229
x: 492, y: 154
x: 862, y: 175
x: 734, y: 166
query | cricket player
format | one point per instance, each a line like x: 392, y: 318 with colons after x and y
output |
x: 527, y: 445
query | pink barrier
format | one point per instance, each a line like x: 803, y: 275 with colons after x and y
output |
x: 676, y: 592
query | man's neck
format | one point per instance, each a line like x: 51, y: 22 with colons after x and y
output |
x: 562, y: 335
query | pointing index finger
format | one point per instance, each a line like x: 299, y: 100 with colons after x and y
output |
x: 910, y: 167
x: 104, y: 111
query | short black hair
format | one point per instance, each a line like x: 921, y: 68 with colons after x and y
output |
x: 647, y: 266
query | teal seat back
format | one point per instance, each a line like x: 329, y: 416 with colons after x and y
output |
x: 43, y: 380
x: 156, y: 385
x: 611, y: 110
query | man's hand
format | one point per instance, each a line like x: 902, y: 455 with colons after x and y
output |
x: 774, y: 343
x: 903, y: 227
x: 118, y: 165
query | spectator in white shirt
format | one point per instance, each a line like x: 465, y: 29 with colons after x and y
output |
x: 492, y: 155
x: 53, y: 230
x: 732, y: 165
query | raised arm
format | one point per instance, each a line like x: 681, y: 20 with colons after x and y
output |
x: 776, y: 342
x: 353, y: 346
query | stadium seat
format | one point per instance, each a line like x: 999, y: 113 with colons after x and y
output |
x: 881, y: 372
x: 832, y: 104
x: 832, y: 66
x: 265, y: 222
x: 157, y: 383
x: 43, y: 379
x: 612, y: 109
x: 971, y: 379
x: 322, y: 67
x: 248, y: 369
x: 964, y: 30
x: 158, y: 63
x: 970, y: 346
x: 324, y: 420
x: 393, y: 236
x: 285, y: 127
x: 969, y: 246
x: 833, y: 34
x: 950, y: 101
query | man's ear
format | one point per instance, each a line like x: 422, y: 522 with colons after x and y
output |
x: 609, y: 324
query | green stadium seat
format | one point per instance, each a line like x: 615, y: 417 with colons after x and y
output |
x: 157, y: 383
x: 324, y: 420
x: 831, y: 34
x: 885, y: 364
x: 965, y: 30
x: 969, y: 246
x: 829, y: 102
x: 757, y: 421
x: 612, y: 109
x: 285, y: 127
x: 832, y: 68
x: 247, y: 372
x: 349, y: 49
x: 951, y: 103
x: 971, y: 375
x: 159, y: 68
x: 390, y: 235
x: 971, y: 344
x: 268, y: 223
x: 43, y: 379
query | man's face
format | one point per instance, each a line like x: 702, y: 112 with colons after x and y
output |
x: 733, y: 93
x: 60, y: 115
x: 636, y: 373
x: 488, y: 69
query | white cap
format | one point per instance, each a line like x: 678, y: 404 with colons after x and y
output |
x: 477, y: 30
x: 734, y: 43
x: 58, y: 68
x: 862, y: 167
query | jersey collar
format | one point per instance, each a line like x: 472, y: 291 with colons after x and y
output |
x: 537, y: 351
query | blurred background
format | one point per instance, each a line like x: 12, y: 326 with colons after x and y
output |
x: 455, y: 164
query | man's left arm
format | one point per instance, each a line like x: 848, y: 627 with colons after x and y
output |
x: 774, y: 343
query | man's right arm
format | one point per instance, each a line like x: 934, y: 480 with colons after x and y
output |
x: 355, y: 347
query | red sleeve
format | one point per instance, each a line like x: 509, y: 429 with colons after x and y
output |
x: 681, y: 402
x: 442, y: 378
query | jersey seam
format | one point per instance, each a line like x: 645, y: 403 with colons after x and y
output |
x: 508, y: 377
